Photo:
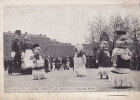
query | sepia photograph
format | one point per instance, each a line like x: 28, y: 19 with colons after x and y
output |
x: 71, y: 48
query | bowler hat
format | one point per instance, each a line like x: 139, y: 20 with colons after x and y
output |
x: 35, y: 45
x: 18, y: 32
x: 120, y: 32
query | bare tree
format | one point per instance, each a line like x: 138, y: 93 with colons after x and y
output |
x: 115, y: 23
x: 134, y: 31
x: 96, y: 27
x: 129, y: 23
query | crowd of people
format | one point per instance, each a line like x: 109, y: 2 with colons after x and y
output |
x: 114, y: 66
x: 58, y: 63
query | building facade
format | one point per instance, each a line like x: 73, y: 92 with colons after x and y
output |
x: 53, y: 48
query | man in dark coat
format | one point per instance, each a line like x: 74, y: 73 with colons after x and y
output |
x: 71, y: 62
x: 5, y: 63
x: 57, y: 63
x: 46, y: 64
x: 10, y: 65
x: 17, y: 49
x: 51, y: 63
x: 64, y: 62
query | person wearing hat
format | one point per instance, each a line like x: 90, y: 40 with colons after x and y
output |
x: 17, y: 50
x: 38, y: 68
x: 80, y: 61
x: 28, y: 53
x: 121, y: 57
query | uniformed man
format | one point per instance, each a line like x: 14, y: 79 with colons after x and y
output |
x: 17, y: 50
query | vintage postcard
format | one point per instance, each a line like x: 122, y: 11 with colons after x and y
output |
x: 70, y: 50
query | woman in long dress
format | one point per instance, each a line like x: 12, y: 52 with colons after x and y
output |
x: 80, y: 61
x: 28, y: 53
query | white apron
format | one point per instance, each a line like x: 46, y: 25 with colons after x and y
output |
x: 79, y: 66
x: 28, y: 61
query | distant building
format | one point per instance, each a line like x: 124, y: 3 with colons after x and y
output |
x: 49, y: 46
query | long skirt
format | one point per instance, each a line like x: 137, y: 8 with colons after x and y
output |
x: 104, y: 71
x: 80, y: 70
x: 28, y: 62
x: 121, y: 79
x: 53, y: 66
x: 38, y: 74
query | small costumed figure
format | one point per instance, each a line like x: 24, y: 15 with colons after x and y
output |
x: 104, y: 60
x: 17, y: 51
x: 38, y: 69
x: 121, y: 58
x: 28, y: 53
x: 80, y: 61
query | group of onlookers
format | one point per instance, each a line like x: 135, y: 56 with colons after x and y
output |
x: 64, y: 63
x: 50, y: 63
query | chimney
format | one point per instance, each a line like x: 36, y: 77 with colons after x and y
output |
x: 9, y: 31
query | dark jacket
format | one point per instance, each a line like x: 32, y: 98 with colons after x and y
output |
x: 121, y: 63
x: 104, y: 60
x: 17, y: 46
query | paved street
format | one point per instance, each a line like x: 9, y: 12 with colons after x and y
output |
x: 67, y: 78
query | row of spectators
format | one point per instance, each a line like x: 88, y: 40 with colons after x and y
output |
x: 65, y: 63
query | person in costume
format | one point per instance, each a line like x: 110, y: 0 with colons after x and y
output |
x: 17, y: 50
x: 38, y: 68
x: 121, y: 58
x: 28, y: 53
x: 80, y: 61
x: 104, y: 60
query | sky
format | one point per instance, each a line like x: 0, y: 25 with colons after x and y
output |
x: 65, y: 23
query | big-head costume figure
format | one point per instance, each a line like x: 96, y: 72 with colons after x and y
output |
x: 28, y: 53
x: 80, y: 61
x: 104, y: 60
x: 38, y: 68
x: 121, y: 57
x: 17, y: 50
